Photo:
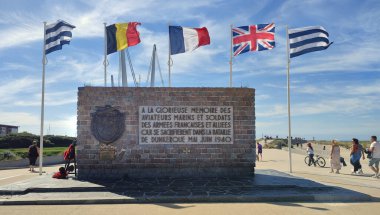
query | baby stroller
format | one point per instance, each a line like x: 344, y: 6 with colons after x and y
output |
x: 69, y: 157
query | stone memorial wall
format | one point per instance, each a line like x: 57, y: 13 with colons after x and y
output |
x: 160, y: 132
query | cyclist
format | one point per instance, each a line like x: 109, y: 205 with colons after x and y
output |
x: 310, y: 152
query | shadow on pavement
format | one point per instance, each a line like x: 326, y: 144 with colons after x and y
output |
x: 265, y: 186
x: 299, y: 205
x: 174, y: 206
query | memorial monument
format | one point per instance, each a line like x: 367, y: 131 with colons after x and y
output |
x: 165, y: 132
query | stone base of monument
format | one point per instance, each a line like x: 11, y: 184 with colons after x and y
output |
x: 116, y: 174
x: 266, y: 186
x: 165, y: 132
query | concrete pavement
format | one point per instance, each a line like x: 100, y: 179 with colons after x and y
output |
x: 279, y: 160
x: 198, y: 209
x: 267, y: 185
x: 270, y: 184
x: 9, y: 176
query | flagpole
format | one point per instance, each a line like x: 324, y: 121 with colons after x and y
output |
x: 105, y: 54
x: 231, y: 59
x: 289, y: 119
x: 170, y: 60
x: 41, y: 154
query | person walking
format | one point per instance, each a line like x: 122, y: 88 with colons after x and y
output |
x: 310, y: 152
x: 356, y: 153
x: 33, y: 153
x: 375, y: 156
x: 335, y: 157
x: 259, y: 151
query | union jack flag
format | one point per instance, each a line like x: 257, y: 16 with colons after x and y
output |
x: 253, y: 38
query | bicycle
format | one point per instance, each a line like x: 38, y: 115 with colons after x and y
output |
x: 318, y: 160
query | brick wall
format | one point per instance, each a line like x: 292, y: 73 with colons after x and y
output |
x: 145, y: 160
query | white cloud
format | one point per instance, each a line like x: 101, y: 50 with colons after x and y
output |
x: 11, y: 89
x: 346, y: 106
x: 17, y: 67
x: 355, y: 49
x: 51, y: 99
x: 262, y: 97
x: 263, y: 125
x: 20, y: 30
x: 22, y: 119
x: 66, y: 126
x: 27, y: 27
x: 346, y: 89
x: 31, y: 123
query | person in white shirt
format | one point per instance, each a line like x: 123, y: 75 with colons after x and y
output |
x: 375, y: 160
x: 310, y: 152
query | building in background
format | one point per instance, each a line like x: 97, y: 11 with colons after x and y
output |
x: 8, y: 129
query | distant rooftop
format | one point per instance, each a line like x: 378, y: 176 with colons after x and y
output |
x: 13, y: 126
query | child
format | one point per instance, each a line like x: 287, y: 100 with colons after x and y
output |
x: 62, y: 174
x: 259, y: 151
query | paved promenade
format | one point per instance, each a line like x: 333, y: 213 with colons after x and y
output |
x: 275, y: 165
x: 271, y: 183
x: 278, y: 160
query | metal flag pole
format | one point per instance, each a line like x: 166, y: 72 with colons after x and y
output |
x: 153, y: 72
x: 231, y: 60
x: 289, y: 121
x: 41, y: 154
x: 170, y: 62
x: 123, y: 68
x: 105, y: 63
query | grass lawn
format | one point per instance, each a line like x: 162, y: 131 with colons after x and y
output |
x: 23, y: 152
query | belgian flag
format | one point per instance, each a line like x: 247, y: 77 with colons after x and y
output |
x: 122, y: 35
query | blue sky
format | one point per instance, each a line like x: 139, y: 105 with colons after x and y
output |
x: 335, y: 93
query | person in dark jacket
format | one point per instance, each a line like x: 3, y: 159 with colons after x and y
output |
x: 33, y: 154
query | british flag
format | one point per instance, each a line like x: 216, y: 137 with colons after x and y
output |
x: 253, y: 38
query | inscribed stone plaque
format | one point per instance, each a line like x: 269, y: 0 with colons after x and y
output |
x: 106, y: 152
x: 185, y: 124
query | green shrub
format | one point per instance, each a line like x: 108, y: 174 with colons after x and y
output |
x: 275, y: 144
x: 22, y: 154
x: 7, y: 155
x: 24, y: 140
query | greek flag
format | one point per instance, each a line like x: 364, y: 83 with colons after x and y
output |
x: 57, y: 34
x: 307, y: 39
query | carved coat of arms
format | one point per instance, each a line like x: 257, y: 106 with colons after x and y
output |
x: 107, y: 124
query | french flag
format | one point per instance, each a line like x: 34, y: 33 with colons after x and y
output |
x: 187, y: 39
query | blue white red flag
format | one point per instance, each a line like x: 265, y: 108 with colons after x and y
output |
x: 187, y: 39
x: 253, y: 38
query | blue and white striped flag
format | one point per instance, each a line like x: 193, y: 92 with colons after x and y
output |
x: 307, y: 39
x: 57, y: 34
